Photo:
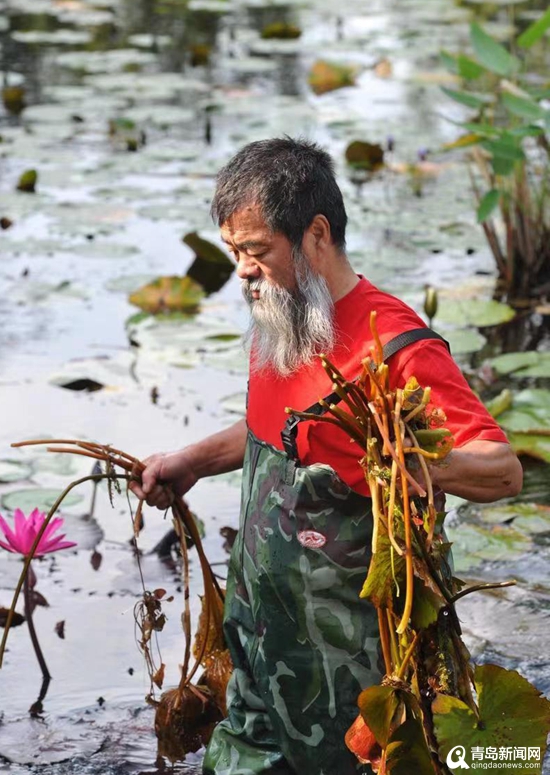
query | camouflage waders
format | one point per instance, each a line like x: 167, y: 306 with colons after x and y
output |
x: 303, y: 643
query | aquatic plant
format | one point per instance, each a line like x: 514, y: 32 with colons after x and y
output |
x: 510, y: 150
x: 32, y: 537
x: 431, y: 699
x: 186, y: 715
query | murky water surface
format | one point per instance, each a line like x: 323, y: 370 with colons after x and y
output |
x: 105, y: 220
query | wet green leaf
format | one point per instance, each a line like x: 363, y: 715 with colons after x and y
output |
x: 407, y: 751
x: 470, y: 99
x: 535, y: 31
x: 491, y: 54
x: 474, y: 544
x: 27, y: 181
x: 523, y: 107
x: 522, y: 364
x: 426, y: 606
x: 512, y: 712
x: 37, y: 498
x: 169, y: 294
x: 529, y: 518
x: 488, y: 204
x: 474, y: 312
x: 378, y: 705
x: 212, y: 268
x: 379, y: 585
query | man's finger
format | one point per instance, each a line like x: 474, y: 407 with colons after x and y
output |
x: 137, y: 490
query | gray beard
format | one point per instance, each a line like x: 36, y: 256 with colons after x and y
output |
x: 289, y: 328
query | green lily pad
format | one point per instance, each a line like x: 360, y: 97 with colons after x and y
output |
x: 14, y: 471
x: 523, y: 364
x: 512, y: 713
x: 530, y: 409
x: 168, y: 294
x: 474, y: 544
x: 475, y: 312
x: 529, y: 518
x: 212, y: 268
x: 464, y: 340
x: 407, y: 751
x: 37, y: 498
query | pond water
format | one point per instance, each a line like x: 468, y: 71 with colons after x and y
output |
x: 104, y: 220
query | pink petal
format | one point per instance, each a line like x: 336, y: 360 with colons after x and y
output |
x: 60, y: 545
x: 52, y: 527
x: 10, y: 535
x: 8, y: 547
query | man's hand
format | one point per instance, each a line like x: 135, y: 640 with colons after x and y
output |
x: 164, y: 475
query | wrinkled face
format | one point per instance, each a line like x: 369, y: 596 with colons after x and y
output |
x: 291, y: 306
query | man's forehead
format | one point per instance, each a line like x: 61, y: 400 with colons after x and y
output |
x: 248, y: 224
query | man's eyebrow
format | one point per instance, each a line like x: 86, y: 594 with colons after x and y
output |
x: 247, y: 245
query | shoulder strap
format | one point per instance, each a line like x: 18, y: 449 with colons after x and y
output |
x: 290, y: 431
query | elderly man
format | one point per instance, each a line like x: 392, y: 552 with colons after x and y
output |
x: 302, y: 642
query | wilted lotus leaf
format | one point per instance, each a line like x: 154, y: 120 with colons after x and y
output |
x: 212, y: 268
x: 13, y: 98
x: 15, y: 622
x: 216, y: 677
x: 281, y: 31
x: 511, y: 713
x: 27, y: 181
x: 209, y: 630
x: 168, y: 294
x: 379, y: 584
x: 407, y: 751
x: 184, y: 721
x: 361, y: 742
x: 365, y: 156
x: 327, y: 76
x: 381, y: 708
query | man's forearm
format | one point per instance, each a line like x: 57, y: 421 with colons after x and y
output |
x: 219, y: 453
x: 480, y: 471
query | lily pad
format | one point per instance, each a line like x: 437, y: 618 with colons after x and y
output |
x: 14, y: 471
x: 474, y: 544
x: 328, y: 76
x: 464, y: 340
x: 236, y: 404
x: 212, y: 268
x: 365, y: 156
x: 523, y: 364
x: 475, y: 312
x: 169, y: 294
x: 529, y: 518
x: 512, y: 712
x: 37, y: 498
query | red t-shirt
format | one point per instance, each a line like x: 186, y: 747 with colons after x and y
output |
x: 427, y: 360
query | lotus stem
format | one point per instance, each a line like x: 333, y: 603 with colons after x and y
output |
x: 27, y: 593
x: 407, y: 657
x: 385, y: 641
x: 481, y: 588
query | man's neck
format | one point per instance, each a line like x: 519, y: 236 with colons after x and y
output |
x: 340, y: 277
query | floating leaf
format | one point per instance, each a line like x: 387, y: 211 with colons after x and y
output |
x: 523, y: 364
x: 491, y: 54
x: 212, y: 268
x: 512, y: 712
x: 530, y: 518
x: 169, y: 294
x: 475, y: 312
x: 14, y: 471
x: 535, y: 31
x: 327, y: 76
x: 367, y: 156
x: 37, y: 498
x: 27, y: 181
x: 281, y: 30
x: 489, y: 203
x: 473, y: 544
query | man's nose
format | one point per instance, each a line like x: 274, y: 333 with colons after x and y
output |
x: 248, y: 269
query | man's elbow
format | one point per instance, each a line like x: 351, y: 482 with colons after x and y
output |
x: 512, y: 481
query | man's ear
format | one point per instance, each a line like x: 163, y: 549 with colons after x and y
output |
x: 317, y: 238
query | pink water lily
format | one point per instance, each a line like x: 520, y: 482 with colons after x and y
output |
x: 20, y: 539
